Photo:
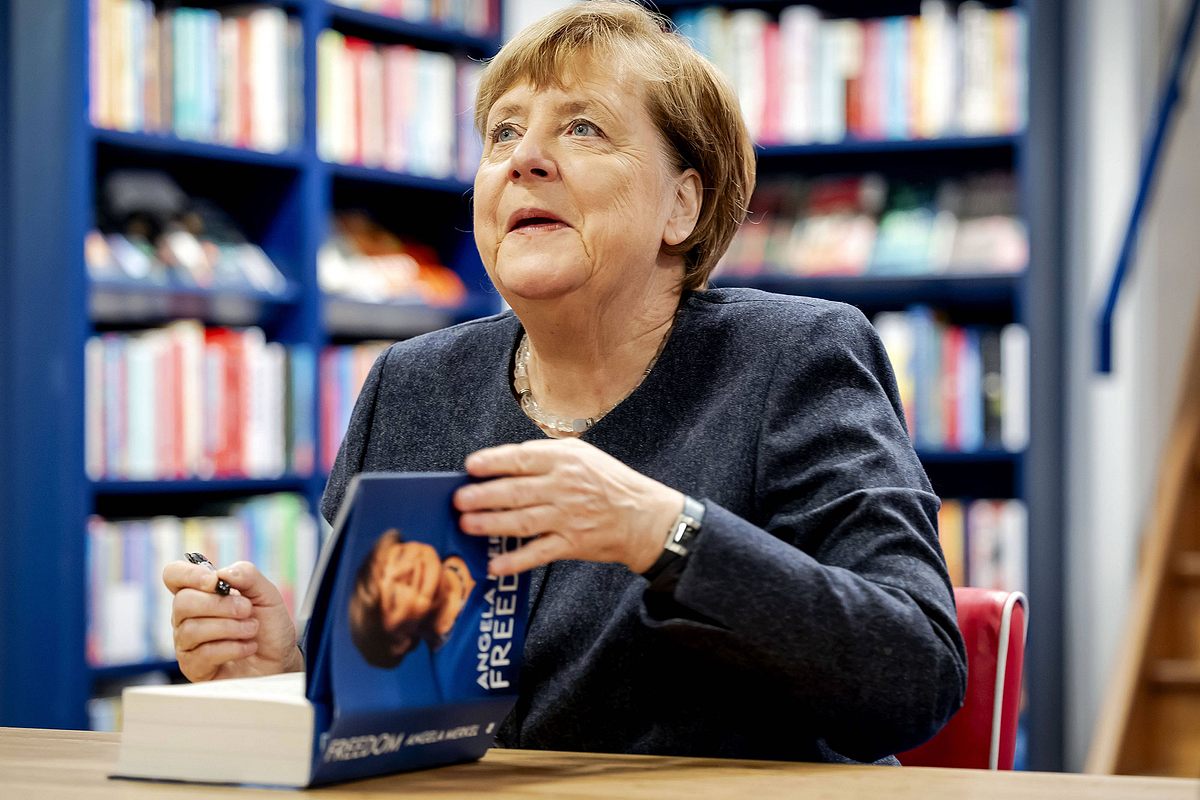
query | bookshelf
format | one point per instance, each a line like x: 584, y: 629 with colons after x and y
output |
x: 282, y: 201
x: 1032, y: 297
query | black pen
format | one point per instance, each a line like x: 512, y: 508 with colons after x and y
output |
x: 199, y: 558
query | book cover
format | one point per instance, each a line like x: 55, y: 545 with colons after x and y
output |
x: 412, y: 654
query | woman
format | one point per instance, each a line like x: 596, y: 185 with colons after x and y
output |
x: 801, y: 609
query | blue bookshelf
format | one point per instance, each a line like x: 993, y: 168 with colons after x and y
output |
x: 246, y: 486
x: 877, y: 292
x: 889, y: 147
x: 282, y: 201
x: 388, y: 28
x: 352, y: 172
x: 119, y: 671
x: 141, y: 143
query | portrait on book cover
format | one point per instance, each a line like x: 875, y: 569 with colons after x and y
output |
x: 405, y: 594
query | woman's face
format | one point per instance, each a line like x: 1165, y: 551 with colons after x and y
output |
x: 575, y: 188
x: 408, y: 575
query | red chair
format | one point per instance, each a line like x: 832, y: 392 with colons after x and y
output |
x: 983, y: 733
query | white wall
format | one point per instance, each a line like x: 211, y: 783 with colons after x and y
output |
x: 1118, y: 423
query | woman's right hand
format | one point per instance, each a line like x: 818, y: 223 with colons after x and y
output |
x: 244, y: 634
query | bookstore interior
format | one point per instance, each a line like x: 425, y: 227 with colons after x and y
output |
x: 214, y: 216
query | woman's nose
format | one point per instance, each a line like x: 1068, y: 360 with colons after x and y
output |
x: 531, y: 160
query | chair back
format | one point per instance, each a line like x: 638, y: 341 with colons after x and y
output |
x: 983, y: 733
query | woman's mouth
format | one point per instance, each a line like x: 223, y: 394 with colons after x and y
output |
x: 534, y: 220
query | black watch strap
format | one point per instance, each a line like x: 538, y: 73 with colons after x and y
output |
x: 679, y: 540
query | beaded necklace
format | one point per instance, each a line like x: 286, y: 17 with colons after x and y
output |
x: 552, y: 422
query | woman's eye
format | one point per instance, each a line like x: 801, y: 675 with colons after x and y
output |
x: 504, y: 133
x: 583, y: 129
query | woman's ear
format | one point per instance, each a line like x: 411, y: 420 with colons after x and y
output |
x: 685, y: 209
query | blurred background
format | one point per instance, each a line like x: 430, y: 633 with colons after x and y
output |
x: 213, y: 216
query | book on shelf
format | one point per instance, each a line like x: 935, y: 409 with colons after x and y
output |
x: 232, y: 77
x: 343, y: 368
x: 383, y: 690
x: 803, y: 78
x: 183, y: 401
x: 129, y: 608
x: 473, y: 17
x: 963, y: 388
x: 388, y: 107
x: 997, y: 544
x: 985, y: 542
x: 868, y: 225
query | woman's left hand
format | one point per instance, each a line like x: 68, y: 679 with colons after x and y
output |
x: 580, y: 503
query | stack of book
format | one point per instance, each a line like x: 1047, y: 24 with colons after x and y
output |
x: 964, y: 388
x: 859, y: 224
x: 129, y: 608
x: 184, y: 401
x: 985, y: 543
x: 364, y: 261
x: 802, y: 78
x: 233, y: 78
x: 343, y: 371
x: 474, y: 17
x: 394, y: 107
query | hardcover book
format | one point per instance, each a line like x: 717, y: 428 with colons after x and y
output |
x: 412, y: 652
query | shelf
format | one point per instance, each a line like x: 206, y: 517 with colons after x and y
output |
x: 348, y: 318
x: 890, y: 291
x: 374, y: 175
x: 373, y: 25
x: 120, y: 302
x: 198, y: 486
x: 831, y: 8
x: 172, y: 145
x: 116, y: 671
x: 887, y: 146
x: 980, y: 457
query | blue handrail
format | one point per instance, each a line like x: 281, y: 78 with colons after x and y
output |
x: 1167, y: 102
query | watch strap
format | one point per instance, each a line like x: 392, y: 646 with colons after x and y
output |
x: 679, y: 538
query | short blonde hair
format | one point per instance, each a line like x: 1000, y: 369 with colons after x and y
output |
x: 691, y: 103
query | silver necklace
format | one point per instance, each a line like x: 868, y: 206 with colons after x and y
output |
x: 552, y: 422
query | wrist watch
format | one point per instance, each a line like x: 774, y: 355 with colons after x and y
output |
x: 679, y: 538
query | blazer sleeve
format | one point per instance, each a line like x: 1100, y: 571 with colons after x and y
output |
x: 349, y: 461
x: 840, y: 596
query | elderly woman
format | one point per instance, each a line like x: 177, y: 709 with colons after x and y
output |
x: 801, y: 607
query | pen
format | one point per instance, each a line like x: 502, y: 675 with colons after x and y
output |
x: 199, y: 558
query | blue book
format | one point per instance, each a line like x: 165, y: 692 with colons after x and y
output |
x: 895, y: 55
x: 412, y: 655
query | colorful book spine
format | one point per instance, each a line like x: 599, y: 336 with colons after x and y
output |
x: 233, y: 78
x: 129, y: 608
x: 962, y: 388
x: 208, y: 403
x: 474, y: 17
x: 343, y: 371
x: 394, y: 107
x: 985, y: 543
x: 944, y: 72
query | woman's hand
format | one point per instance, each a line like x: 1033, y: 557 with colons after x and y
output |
x: 578, y: 501
x: 244, y: 634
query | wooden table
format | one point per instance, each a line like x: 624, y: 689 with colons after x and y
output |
x: 63, y: 765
